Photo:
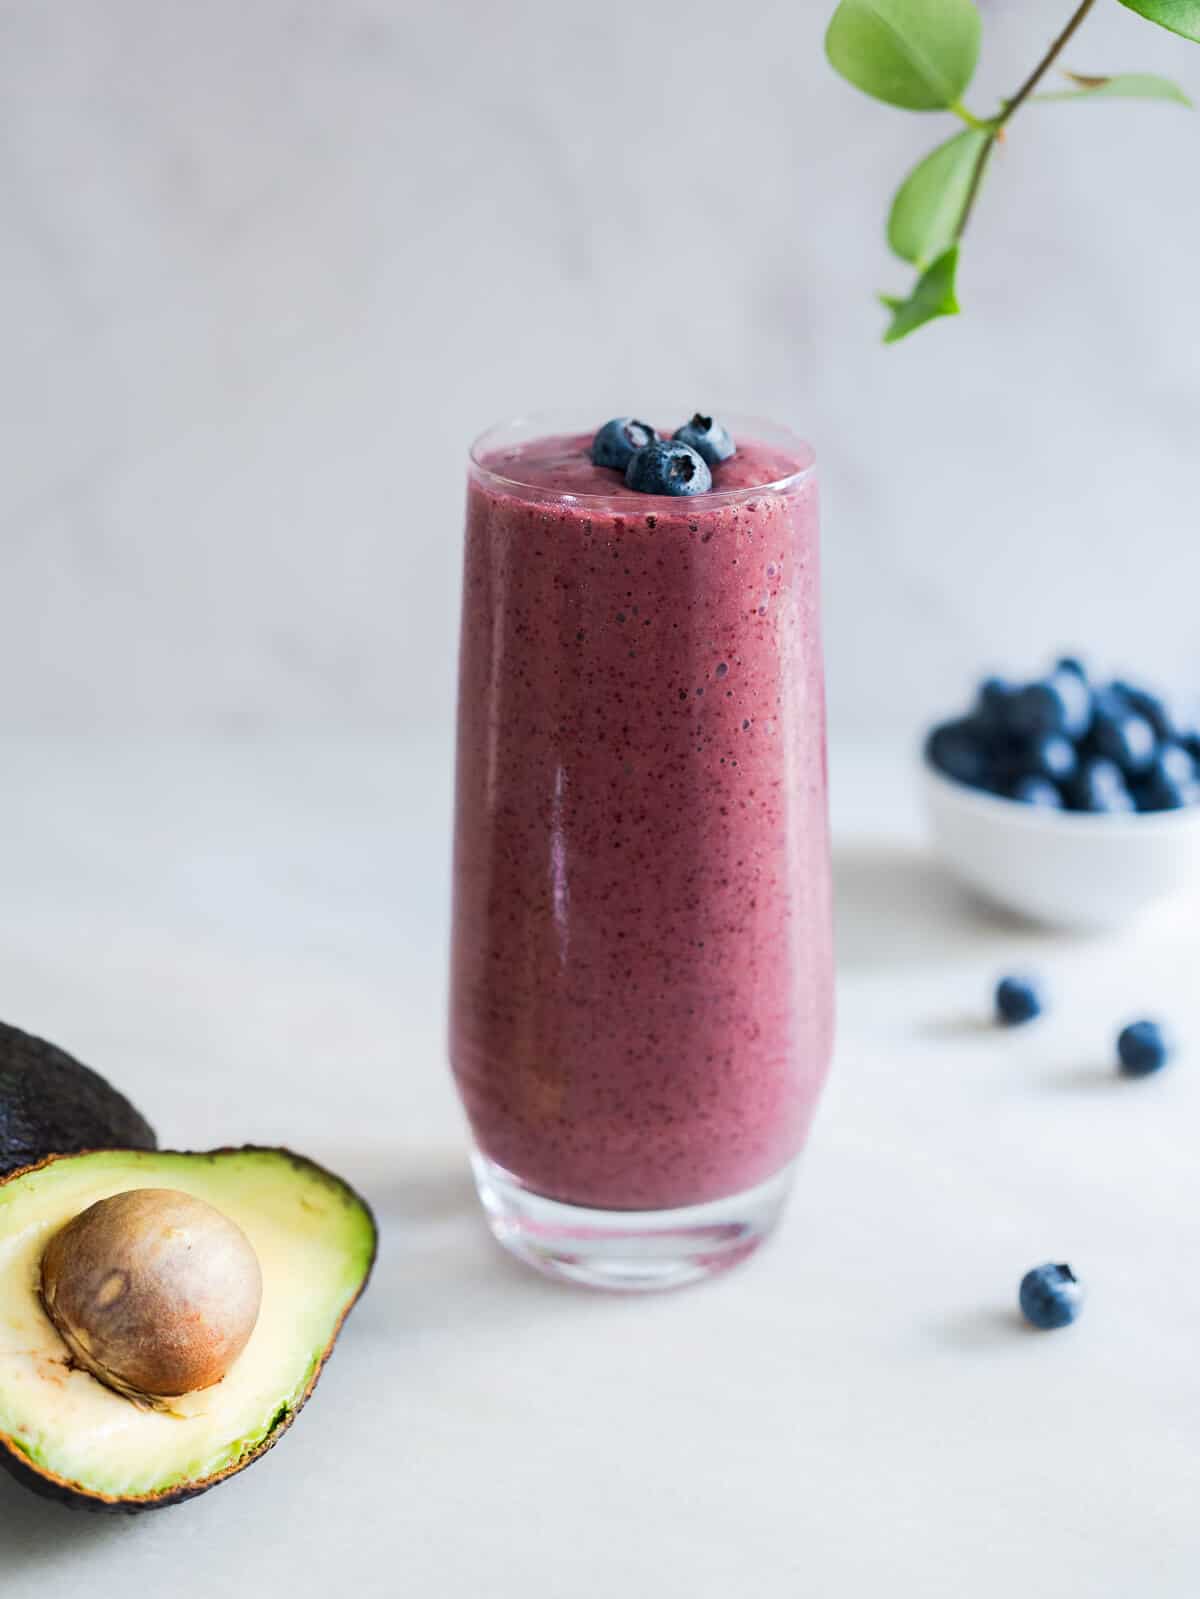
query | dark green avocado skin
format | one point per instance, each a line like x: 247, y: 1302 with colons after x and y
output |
x: 52, y: 1104
x: 63, y: 1493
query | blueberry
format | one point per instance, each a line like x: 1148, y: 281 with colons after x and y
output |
x: 1038, y: 791
x: 617, y: 440
x: 1190, y: 739
x: 1149, y: 706
x: 1175, y: 762
x: 958, y: 750
x: 1060, y: 703
x: 1100, y: 787
x: 1171, y: 782
x: 1050, y: 1297
x: 1070, y: 682
x: 1018, y: 1000
x: 1053, y: 756
x: 668, y: 467
x: 1072, y: 664
x: 1142, y: 1048
x: 991, y: 703
x: 1036, y: 708
x: 1124, y: 737
x: 709, y: 439
x: 1160, y: 793
x: 1106, y: 774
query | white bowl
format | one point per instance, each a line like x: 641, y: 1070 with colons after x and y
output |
x: 1062, y: 867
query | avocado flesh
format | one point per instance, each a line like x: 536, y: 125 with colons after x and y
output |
x: 52, y: 1104
x: 315, y: 1242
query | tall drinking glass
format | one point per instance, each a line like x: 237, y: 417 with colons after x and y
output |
x: 642, y: 969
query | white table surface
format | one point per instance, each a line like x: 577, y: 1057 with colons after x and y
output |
x: 249, y: 938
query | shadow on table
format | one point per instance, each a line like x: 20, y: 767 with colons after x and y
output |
x: 1092, y: 1077
x: 35, y: 1534
x: 433, y: 1188
x: 437, y: 1260
x: 981, y: 1330
x: 895, y: 907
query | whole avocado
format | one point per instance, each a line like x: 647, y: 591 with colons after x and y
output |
x: 52, y: 1104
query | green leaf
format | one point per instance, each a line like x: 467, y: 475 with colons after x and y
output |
x: 918, y: 54
x: 932, y: 296
x: 1180, y: 16
x: 928, y: 207
x: 1124, y: 86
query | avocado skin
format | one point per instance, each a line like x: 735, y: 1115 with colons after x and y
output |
x: 52, y: 1104
x: 48, y: 1486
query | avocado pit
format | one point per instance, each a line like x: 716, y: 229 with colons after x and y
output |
x: 153, y: 1291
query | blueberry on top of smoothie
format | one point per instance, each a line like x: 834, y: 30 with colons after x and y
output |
x: 617, y: 441
x: 668, y: 466
x: 709, y: 439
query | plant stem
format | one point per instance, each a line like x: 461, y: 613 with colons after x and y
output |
x: 1044, y: 65
x: 969, y: 117
x: 1010, y: 108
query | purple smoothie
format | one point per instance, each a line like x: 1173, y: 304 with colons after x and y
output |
x: 642, y: 969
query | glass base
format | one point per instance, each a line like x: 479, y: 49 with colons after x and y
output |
x: 628, y: 1251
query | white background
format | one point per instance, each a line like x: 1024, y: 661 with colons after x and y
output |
x: 266, y: 268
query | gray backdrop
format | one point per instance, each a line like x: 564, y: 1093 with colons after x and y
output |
x: 267, y: 267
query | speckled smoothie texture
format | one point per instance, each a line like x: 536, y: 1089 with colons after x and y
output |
x: 642, y: 968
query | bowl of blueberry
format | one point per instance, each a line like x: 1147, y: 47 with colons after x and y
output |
x: 1067, y: 799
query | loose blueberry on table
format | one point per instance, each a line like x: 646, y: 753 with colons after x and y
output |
x: 1051, y: 1296
x: 1142, y: 1048
x: 1018, y: 1000
x: 1065, y: 742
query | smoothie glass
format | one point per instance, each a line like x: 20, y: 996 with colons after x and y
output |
x: 641, y: 1001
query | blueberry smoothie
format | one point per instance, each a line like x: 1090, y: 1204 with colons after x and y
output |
x: 641, y: 991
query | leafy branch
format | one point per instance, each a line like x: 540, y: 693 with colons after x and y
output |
x: 921, y: 55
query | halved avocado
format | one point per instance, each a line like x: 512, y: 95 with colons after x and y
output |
x: 52, y: 1104
x: 66, y: 1435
